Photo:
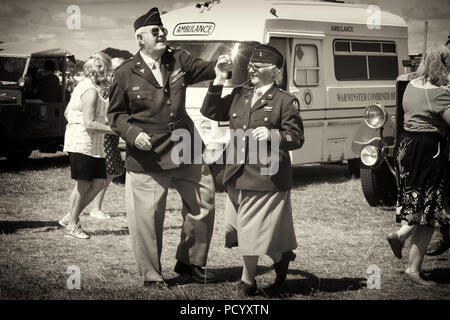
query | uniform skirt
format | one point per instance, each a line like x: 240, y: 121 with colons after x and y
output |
x: 423, y: 185
x: 258, y: 222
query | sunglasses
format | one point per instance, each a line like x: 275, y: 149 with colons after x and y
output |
x: 256, y: 67
x: 155, y: 31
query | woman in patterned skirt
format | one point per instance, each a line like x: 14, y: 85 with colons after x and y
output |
x: 423, y: 161
x: 114, y: 162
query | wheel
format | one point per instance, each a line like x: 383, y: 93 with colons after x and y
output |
x: 354, y: 166
x: 217, y: 173
x: 378, y: 185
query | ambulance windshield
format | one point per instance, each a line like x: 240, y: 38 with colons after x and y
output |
x: 211, y: 50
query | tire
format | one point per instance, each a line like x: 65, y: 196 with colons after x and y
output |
x: 354, y: 166
x: 378, y: 185
x: 217, y: 173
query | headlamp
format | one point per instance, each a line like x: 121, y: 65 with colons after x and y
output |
x: 375, y: 116
x: 369, y: 155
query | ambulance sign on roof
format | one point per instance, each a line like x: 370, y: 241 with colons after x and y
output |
x: 194, y: 29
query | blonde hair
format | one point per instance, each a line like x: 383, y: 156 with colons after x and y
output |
x: 434, y: 66
x: 97, y: 68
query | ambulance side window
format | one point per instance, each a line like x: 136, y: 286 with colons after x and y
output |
x: 365, y: 60
x: 306, y: 65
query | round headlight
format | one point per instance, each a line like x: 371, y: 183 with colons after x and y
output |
x: 369, y: 155
x: 21, y: 82
x: 375, y: 116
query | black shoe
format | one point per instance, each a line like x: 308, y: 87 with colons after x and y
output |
x: 246, y: 290
x: 396, y: 244
x: 281, y: 267
x: 155, y: 284
x: 439, y: 248
x: 197, y: 273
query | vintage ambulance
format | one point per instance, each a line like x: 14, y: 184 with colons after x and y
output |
x: 340, y: 58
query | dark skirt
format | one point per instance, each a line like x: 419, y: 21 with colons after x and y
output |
x: 424, y: 171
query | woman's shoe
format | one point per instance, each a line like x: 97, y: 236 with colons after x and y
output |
x: 245, y: 289
x: 281, y: 267
x: 99, y: 214
x: 64, y: 220
x: 396, y: 244
x: 439, y: 248
x: 417, y: 278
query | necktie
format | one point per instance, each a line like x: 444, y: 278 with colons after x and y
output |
x: 156, y: 69
x: 256, y: 95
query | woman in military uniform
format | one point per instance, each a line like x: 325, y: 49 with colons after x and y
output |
x: 258, y: 209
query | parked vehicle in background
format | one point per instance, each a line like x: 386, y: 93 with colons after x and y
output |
x: 335, y: 64
x: 376, y: 141
x: 34, y: 92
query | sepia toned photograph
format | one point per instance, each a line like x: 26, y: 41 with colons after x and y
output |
x: 228, y: 156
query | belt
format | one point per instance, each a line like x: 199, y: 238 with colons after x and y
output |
x: 163, y: 128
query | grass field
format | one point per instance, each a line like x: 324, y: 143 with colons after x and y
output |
x: 339, y: 235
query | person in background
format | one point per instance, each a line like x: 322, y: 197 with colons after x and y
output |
x: 443, y: 244
x: 83, y: 140
x: 423, y: 161
x: 47, y: 87
x: 147, y: 105
x: 258, y: 209
x: 114, y: 162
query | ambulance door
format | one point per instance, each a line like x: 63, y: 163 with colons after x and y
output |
x: 306, y: 81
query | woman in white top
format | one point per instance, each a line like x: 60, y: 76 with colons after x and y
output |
x: 83, y: 140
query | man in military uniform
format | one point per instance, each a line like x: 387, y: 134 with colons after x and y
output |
x: 266, y: 124
x: 147, y: 104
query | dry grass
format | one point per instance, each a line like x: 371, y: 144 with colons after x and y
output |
x: 339, y: 237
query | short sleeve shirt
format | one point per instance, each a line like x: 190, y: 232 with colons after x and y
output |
x: 424, y: 104
x: 77, y: 138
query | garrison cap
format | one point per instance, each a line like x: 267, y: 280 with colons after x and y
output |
x: 267, y: 54
x: 151, y: 18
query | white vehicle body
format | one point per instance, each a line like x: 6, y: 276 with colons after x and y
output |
x: 339, y: 59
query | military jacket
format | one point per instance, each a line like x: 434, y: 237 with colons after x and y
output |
x: 138, y: 103
x: 275, y: 109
